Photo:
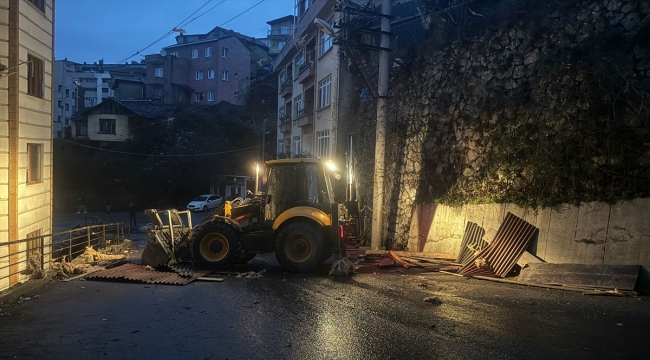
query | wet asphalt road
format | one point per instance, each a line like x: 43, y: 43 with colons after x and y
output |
x: 314, y: 316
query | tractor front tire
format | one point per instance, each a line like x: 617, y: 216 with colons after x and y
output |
x: 216, y: 246
x: 300, y: 247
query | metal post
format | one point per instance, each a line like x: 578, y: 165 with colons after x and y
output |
x: 257, y: 189
x: 377, y: 238
x: 70, y: 245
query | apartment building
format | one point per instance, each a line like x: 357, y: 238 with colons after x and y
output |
x: 204, y: 68
x: 314, y: 82
x: 26, y: 31
x: 80, y: 86
x: 279, y: 33
x: 309, y: 78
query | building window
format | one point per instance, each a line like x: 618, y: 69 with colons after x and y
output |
x: 324, y: 92
x: 323, y: 144
x: 224, y: 75
x: 280, y: 146
x: 34, y: 163
x: 82, y: 129
x: 285, y: 30
x: 326, y: 43
x: 195, y: 53
x: 210, y: 96
x: 224, y: 52
x: 208, y: 51
x: 40, y: 4
x: 34, y: 76
x: 282, y: 115
x: 107, y: 126
x: 296, y: 145
x: 67, y: 92
x: 302, y: 6
x: 281, y: 44
x: 299, y: 105
x: 158, y: 72
x: 174, y: 54
x: 199, y: 74
x: 210, y: 73
x: 198, y: 96
x: 67, y: 107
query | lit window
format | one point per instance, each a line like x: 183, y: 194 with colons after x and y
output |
x: 323, y: 145
x: 198, y: 96
x: 158, y: 72
x: 107, y: 126
x: 224, y: 52
x: 195, y: 53
x: 210, y: 73
x: 296, y: 145
x: 210, y: 96
x: 224, y: 75
x: 34, y: 163
x: 324, y: 92
x: 280, y: 146
x: 34, y: 76
x: 199, y: 75
x: 208, y: 51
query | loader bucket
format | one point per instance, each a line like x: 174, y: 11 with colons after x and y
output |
x: 154, y: 255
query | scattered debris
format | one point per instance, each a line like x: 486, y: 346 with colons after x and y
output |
x: 34, y: 268
x: 139, y: 273
x: 149, y: 268
x: 481, y: 263
x: 398, y: 259
x: 208, y: 278
x: 434, y: 300
x: 502, y: 254
x: 93, y: 255
x: 342, y: 267
x: 146, y: 228
x: 386, y: 262
x: 65, y: 269
x: 423, y: 285
x: 251, y: 274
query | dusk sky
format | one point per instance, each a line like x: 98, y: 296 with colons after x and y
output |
x: 89, y: 30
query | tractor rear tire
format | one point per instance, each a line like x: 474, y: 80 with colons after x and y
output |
x: 216, y: 246
x: 300, y: 247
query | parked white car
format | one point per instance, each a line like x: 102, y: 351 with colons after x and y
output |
x: 205, y: 202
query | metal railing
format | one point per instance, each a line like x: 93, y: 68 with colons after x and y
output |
x: 54, y: 247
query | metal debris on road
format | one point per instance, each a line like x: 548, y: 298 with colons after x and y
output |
x: 139, y: 273
x: 502, y: 254
x: 472, y: 243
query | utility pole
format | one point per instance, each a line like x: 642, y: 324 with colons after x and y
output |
x: 257, y: 189
x: 377, y: 236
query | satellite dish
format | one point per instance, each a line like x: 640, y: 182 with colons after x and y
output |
x: 163, y: 53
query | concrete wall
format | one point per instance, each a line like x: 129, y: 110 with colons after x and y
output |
x: 592, y: 233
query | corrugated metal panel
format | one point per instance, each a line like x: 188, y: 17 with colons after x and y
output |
x: 473, y: 239
x: 510, y: 242
x: 139, y: 273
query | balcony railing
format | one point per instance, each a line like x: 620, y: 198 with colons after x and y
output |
x: 280, y: 32
x: 285, y: 125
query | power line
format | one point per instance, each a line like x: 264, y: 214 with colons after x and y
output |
x: 162, y: 155
x: 242, y: 13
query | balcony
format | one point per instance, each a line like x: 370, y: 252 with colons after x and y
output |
x: 286, y: 87
x: 282, y: 32
x: 306, y: 72
x: 285, y: 127
x: 305, y: 117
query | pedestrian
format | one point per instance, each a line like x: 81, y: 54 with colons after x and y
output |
x: 82, y: 205
x: 108, y: 205
x: 132, y: 219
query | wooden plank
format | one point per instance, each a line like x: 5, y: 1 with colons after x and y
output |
x: 621, y: 277
x: 398, y: 259
x: 434, y: 256
x: 208, y: 278
x: 528, y: 258
x: 386, y: 263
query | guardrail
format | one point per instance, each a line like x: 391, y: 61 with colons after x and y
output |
x: 18, y: 257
